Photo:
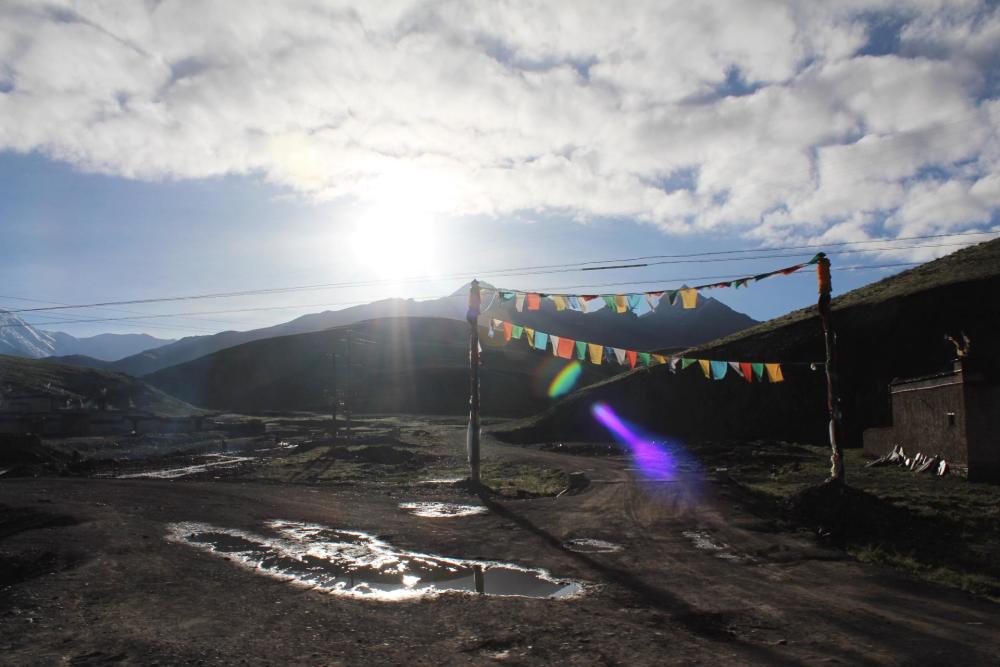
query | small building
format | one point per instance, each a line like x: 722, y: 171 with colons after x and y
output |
x: 954, y: 414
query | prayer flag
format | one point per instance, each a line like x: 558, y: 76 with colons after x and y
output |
x: 585, y: 302
x: 581, y: 350
x: 621, y: 303
x: 555, y: 344
x: 645, y: 359
x: 673, y: 364
x: 507, y: 296
x: 508, y: 330
x: 758, y: 371
x: 686, y: 362
x: 735, y: 365
x: 774, y: 372
x: 541, y: 340
x: 573, y: 303
x: 653, y: 299
x: 519, y: 301
x: 689, y: 297
x: 609, y: 301
x: 671, y: 296
x: 534, y: 301
x: 619, y: 355
x: 566, y: 346
x: 747, y: 371
x: 596, y: 353
x: 706, y: 367
x: 516, y: 331
x: 719, y: 369
x: 530, y: 333
x: 631, y: 355
x: 560, y: 301
x: 659, y: 359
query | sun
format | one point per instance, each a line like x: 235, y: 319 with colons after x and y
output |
x: 396, y: 235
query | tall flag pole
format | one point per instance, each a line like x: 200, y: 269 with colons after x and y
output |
x: 472, y: 436
x: 832, y: 396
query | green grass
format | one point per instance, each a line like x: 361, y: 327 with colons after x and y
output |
x: 945, y: 530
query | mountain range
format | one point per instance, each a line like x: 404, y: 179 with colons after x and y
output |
x: 664, y: 328
x: 20, y: 339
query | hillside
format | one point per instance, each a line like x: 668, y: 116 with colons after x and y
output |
x: 34, y: 376
x: 891, y: 328
x: 416, y: 365
x: 667, y: 327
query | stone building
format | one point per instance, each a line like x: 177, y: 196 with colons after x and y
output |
x: 954, y: 414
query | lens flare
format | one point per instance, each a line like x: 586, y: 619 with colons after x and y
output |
x: 564, y: 382
x: 653, y: 460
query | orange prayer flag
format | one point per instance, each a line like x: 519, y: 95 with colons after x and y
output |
x: 534, y: 301
x: 508, y: 331
x: 566, y: 347
x: 774, y: 373
x: 706, y: 367
x: 631, y: 356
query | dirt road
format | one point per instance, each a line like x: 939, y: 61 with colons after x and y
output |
x: 92, y: 579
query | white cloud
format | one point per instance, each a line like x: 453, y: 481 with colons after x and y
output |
x: 589, y: 108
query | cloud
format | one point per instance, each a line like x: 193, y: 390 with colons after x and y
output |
x: 770, y: 120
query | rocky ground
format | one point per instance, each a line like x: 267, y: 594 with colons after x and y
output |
x: 89, y: 576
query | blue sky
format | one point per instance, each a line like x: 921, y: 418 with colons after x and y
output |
x: 143, y: 155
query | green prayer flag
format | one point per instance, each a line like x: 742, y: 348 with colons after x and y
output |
x: 687, y: 362
x: 644, y: 358
x: 671, y: 296
x: 581, y: 350
x: 516, y: 332
x: 609, y: 301
x: 758, y: 371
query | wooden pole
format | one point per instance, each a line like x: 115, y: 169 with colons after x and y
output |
x: 832, y: 395
x: 472, y: 436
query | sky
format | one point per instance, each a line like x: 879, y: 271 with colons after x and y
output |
x: 165, y: 148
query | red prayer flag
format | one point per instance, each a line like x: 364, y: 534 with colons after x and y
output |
x: 534, y: 301
x: 631, y: 355
x: 508, y: 331
x: 747, y: 369
x: 566, y: 347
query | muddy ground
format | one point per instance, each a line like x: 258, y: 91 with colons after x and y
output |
x: 88, y: 577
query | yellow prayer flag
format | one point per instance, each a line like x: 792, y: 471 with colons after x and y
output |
x: 774, y: 372
x: 706, y: 367
x: 560, y: 301
x: 621, y: 303
x: 530, y: 333
x: 689, y: 297
x: 596, y: 353
x: 659, y: 358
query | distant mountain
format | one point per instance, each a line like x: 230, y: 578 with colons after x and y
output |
x: 667, y: 327
x: 38, y: 376
x: 397, y: 365
x: 20, y: 339
x: 891, y: 328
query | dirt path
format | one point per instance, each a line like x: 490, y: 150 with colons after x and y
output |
x: 94, y: 581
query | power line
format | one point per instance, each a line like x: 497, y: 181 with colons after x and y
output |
x: 500, y: 272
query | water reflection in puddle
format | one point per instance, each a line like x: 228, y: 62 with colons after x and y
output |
x: 356, y: 564
x: 702, y: 540
x: 223, y: 461
x: 442, y: 510
x: 587, y: 545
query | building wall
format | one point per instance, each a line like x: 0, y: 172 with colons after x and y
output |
x: 983, y: 428
x: 921, y: 422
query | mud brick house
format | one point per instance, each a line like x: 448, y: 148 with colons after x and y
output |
x: 954, y: 414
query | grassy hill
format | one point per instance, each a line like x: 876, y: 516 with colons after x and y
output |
x: 34, y: 376
x: 415, y: 365
x: 891, y: 328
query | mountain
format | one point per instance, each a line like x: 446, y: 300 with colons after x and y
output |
x: 667, y: 327
x: 36, y: 376
x: 888, y: 329
x: 414, y: 365
x: 20, y: 339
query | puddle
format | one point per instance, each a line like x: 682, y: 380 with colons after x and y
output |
x: 173, y: 473
x: 442, y: 510
x: 587, y: 545
x: 355, y: 564
x: 702, y: 540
